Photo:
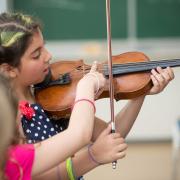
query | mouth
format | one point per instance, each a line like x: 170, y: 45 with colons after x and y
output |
x: 46, y: 70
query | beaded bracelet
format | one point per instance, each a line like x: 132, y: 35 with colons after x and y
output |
x: 91, y: 155
x: 69, y: 168
x: 87, y: 100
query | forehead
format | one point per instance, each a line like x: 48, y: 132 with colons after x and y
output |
x: 35, y: 42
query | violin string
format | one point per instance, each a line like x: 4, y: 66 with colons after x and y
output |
x: 128, y: 67
x: 139, y: 64
x: 149, y: 63
x: 135, y: 67
x: 151, y: 66
x: 116, y: 70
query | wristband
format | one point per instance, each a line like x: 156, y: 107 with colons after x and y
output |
x: 91, y: 155
x: 69, y: 168
x: 87, y: 100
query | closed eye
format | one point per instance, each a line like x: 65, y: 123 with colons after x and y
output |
x: 36, y: 54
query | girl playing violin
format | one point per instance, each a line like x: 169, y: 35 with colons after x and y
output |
x: 24, y: 161
x: 25, y: 61
x: 18, y: 63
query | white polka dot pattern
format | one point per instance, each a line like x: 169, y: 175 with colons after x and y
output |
x: 40, y: 127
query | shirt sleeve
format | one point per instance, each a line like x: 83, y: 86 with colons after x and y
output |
x: 20, y: 162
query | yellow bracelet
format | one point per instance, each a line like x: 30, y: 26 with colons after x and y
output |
x: 69, y: 169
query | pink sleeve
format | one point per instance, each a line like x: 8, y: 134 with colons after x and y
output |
x: 20, y: 162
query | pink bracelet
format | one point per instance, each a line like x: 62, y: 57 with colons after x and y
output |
x: 91, y: 156
x: 87, y: 100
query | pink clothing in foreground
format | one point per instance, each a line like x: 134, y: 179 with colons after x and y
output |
x: 20, y: 161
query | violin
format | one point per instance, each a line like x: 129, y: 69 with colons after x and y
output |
x: 131, y: 78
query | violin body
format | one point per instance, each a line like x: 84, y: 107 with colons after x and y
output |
x: 131, y: 85
x: 58, y: 100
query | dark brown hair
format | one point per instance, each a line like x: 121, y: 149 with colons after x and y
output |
x: 16, y: 31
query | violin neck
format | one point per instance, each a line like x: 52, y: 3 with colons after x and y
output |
x: 120, y: 69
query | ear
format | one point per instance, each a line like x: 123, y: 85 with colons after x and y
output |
x: 8, y: 70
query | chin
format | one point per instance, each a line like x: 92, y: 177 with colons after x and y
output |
x: 40, y: 80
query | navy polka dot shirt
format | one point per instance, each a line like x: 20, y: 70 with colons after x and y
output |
x: 40, y: 127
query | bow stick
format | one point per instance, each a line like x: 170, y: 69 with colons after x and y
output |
x: 111, y: 84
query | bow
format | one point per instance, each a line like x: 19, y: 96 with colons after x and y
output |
x: 111, y: 84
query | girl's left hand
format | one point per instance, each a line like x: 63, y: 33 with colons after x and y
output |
x: 160, y: 78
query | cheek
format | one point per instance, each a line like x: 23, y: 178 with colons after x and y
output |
x: 31, y: 70
x: 33, y: 74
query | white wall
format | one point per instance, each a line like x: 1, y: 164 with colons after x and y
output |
x: 3, y: 6
x: 157, y: 115
x: 160, y: 111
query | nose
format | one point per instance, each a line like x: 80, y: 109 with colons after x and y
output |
x: 48, y: 56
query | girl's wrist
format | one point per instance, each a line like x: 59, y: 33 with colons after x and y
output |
x: 92, y: 80
x: 85, y: 100
x: 92, y: 155
x: 82, y: 84
x: 94, y: 77
x: 141, y: 98
x: 85, y: 90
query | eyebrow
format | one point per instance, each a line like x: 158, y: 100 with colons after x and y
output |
x: 37, y: 49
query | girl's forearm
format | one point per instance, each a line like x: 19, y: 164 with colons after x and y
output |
x: 87, y: 165
x: 81, y: 165
x: 57, y: 148
x: 83, y: 111
x: 127, y: 116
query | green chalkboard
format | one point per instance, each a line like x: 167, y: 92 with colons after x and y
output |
x: 158, y: 18
x: 76, y: 19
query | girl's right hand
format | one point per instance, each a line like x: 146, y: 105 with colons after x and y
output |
x: 108, y: 147
x: 95, y: 77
